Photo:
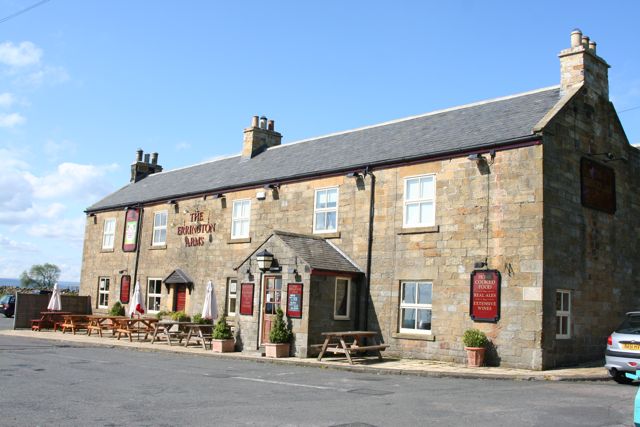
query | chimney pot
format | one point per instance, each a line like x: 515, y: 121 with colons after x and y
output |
x: 146, y: 158
x: 263, y: 122
x: 154, y: 158
x: 255, y: 122
x: 585, y: 42
x: 271, y: 125
x: 592, y: 46
x: 139, y: 155
x: 576, y: 37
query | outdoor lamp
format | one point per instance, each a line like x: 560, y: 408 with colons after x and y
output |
x: 264, y: 258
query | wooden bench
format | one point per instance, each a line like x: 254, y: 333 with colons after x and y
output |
x: 348, y: 343
x: 75, y: 322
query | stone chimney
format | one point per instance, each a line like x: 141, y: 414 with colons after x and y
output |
x: 260, y: 136
x: 141, y: 169
x: 580, y: 65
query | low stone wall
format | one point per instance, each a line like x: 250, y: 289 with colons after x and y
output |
x: 29, y: 306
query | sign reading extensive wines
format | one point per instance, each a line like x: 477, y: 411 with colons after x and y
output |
x: 484, y: 304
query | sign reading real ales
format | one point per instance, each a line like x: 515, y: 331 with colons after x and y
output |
x: 484, y: 304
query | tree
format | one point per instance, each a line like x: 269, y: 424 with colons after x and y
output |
x: 40, y: 276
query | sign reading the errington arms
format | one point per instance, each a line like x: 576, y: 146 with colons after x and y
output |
x: 484, y: 304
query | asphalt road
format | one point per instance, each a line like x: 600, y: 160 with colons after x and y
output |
x: 51, y: 383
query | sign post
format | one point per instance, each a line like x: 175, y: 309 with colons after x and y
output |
x: 484, y: 298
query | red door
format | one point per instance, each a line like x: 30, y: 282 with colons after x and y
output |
x: 270, y: 303
x: 180, y: 298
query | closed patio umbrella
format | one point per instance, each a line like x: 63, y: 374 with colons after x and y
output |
x: 137, y: 303
x: 210, y: 308
x: 54, y: 303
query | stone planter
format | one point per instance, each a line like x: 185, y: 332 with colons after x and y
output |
x: 276, y: 350
x: 223, y: 346
x: 475, y: 356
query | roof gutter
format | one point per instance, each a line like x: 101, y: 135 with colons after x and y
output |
x: 510, y: 144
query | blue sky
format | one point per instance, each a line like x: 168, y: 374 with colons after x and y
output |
x: 85, y: 83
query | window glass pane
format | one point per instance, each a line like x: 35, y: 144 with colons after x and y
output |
x: 558, y: 327
x: 565, y: 301
x: 412, y: 189
x: 244, y: 227
x: 321, y: 199
x: 332, y: 198
x: 331, y: 221
x: 426, y: 187
x: 408, y: 318
x: 558, y: 301
x: 163, y: 219
x: 278, y: 283
x: 424, y: 293
x: 232, y: 305
x: 409, y: 295
x: 565, y: 326
x: 341, y: 297
x: 320, y: 221
x: 424, y: 319
x: 413, y: 213
x: 426, y: 213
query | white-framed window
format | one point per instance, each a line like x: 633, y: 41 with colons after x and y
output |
x: 103, y: 292
x: 232, y: 296
x: 415, y: 307
x: 240, y: 219
x: 108, y: 233
x: 419, y: 201
x: 563, y: 314
x: 325, y: 210
x: 154, y: 294
x: 342, y: 303
x: 160, y: 228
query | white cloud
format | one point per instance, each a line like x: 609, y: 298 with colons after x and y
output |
x: 21, y: 55
x: 83, y: 182
x: 54, y: 149
x: 65, y: 229
x: 47, y: 74
x: 12, y: 245
x: 6, y: 100
x: 11, y: 120
x: 181, y: 146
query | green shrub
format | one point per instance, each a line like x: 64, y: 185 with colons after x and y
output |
x: 117, y: 309
x: 222, y: 331
x: 280, y: 332
x: 474, y: 338
x: 197, y: 318
x: 161, y: 314
x: 180, y: 316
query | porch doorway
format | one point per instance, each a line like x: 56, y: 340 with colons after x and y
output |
x: 271, y: 301
x: 180, y: 298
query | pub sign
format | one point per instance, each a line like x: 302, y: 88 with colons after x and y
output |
x: 130, y: 241
x: 246, y: 299
x: 484, y: 299
x: 294, y: 300
x: 597, y: 186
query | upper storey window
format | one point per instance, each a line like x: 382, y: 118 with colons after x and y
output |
x: 160, y: 228
x: 108, y: 233
x: 325, y: 211
x: 419, y: 201
x: 240, y: 219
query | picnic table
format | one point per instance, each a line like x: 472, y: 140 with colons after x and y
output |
x: 101, y: 323
x: 48, y: 319
x: 351, y: 342
x: 75, y: 322
x: 200, y: 332
x: 135, y: 325
x: 169, y: 329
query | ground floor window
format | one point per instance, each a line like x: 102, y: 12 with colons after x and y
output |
x: 415, y: 307
x: 103, y: 292
x: 342, y: 304
x: 232, y: 296
x: 563, y: 314
x: 154, y: 290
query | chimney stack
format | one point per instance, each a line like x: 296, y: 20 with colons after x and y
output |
x: 580, y: 66
x: 260, y: 136
x: 142, y: 169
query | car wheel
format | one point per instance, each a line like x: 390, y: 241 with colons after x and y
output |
x: 620, y: 377
x: 6, y: 315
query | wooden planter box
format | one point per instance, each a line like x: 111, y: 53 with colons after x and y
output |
x: 223, y: 346
x: 276, y: 350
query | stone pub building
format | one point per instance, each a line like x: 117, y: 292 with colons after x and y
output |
x: 518, y: 215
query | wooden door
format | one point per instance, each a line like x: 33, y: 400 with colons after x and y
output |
x: 180, y: 298
x: 270, y: 303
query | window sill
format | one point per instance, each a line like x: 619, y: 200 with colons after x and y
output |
x: 236, y: 241
x: 417, y: 337
x: 341, y: 318
x: 420, y: 230
x: 158, y: 247
x: 335, y: 235
x: 106, y: 251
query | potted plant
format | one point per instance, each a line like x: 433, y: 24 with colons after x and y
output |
x: 279, y: 337
x: 222, y: 338
x: 117, y: 309
x: 474, y: 341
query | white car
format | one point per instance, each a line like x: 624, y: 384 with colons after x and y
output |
x: 623, y: 348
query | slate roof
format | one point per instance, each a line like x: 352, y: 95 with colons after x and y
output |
x: 445, y: 132
x: 178, y: 276
x: 318, y: 253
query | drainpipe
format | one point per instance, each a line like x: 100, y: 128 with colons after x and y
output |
x: 138, y: 244
x: 367, y: 286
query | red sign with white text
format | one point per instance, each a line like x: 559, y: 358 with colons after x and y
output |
x: 246, y: 299
x: 125, y: 288
x: 484, y: 304
x: 294, y: 300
